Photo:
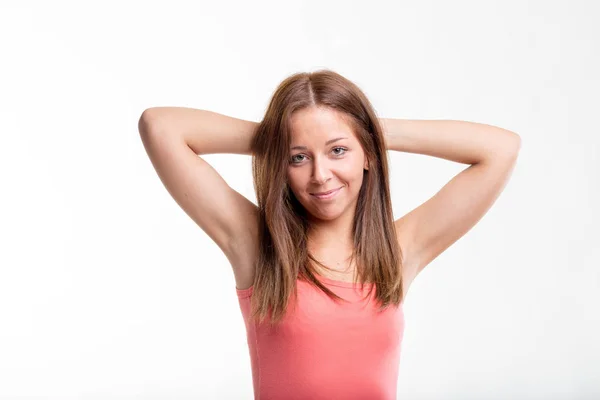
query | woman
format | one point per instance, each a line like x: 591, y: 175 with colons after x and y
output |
x: 323, y: 230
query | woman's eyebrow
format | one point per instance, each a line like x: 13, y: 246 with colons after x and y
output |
x: 326, y: 143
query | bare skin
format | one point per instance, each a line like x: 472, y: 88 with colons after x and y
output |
x: 175, y: 136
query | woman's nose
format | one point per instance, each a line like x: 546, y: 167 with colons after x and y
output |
x: 321, y: 171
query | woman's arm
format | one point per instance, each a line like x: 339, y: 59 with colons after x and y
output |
x: 461, y: 141
x: 205, y: 132
x: 429, y: 229
x: 171, y: 136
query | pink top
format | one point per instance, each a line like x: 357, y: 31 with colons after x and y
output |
x: 326, y: 350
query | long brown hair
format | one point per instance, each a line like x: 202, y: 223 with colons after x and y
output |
x: 283, y: 256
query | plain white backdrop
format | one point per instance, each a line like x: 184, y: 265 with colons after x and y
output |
x: 108, y: 290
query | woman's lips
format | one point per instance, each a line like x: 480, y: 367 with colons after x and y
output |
x: 327, y: 195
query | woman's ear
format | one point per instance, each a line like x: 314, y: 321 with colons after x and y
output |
x: 366, y: 166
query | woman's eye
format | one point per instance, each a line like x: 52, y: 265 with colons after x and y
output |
x: 341, y: 148
x: 294, y: 160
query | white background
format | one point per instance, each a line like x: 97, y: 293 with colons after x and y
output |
x: 108, y: 290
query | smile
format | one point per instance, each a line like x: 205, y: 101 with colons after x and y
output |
x: 329, y: 195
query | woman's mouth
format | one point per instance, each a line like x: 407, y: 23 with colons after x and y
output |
x: 327, y: 195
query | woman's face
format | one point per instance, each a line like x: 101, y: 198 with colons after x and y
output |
x: 320, y: 163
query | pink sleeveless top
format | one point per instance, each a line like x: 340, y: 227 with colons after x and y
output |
x: 326, y: 350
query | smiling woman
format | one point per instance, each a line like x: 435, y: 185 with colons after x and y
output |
x: 322, y: 149
x: 319, y: 263
x: 329, y: 272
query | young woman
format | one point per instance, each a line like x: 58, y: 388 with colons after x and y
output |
x: 321, y: 258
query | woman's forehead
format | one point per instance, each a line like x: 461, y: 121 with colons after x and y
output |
x: 318, y: 126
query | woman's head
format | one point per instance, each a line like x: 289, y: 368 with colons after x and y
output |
x: 325, y: 154
x: 308, y: 110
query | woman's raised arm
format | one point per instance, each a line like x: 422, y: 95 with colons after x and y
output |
x: 171, y: 136
x: 205, y: 132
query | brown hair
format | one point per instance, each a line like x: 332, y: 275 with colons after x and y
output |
x: 283, y: 256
